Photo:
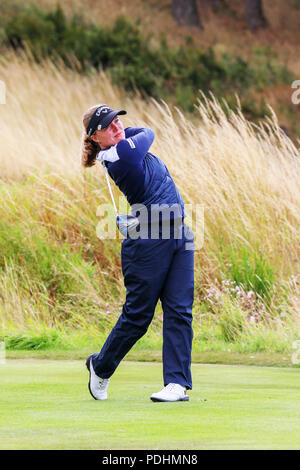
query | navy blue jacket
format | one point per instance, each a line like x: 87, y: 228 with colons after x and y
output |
x: 141, y: 176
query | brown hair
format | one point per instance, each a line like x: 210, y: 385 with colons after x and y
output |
x: 89, y: 148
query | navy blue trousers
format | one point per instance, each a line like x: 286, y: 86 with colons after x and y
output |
x: 155, y: 269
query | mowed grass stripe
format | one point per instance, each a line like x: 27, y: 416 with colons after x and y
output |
x: 46, y: 405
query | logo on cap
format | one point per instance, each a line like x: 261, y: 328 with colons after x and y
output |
x: 103, y: 109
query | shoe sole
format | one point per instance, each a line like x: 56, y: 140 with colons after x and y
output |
x: 169, y: 401
x: 87, y: 363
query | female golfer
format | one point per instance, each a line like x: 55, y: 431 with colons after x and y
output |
x: 154, y: 267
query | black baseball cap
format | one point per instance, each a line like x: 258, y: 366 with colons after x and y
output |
x: 102, y: 118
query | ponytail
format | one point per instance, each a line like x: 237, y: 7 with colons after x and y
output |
x: 89, y: 148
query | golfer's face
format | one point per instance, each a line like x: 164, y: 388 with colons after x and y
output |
x: 112, y: 134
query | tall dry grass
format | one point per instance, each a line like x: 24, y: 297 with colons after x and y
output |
x: 245, y: 177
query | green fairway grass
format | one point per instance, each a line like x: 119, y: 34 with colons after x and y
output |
x: 45, y: 404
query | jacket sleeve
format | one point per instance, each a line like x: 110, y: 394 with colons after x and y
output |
x: 132, y: 149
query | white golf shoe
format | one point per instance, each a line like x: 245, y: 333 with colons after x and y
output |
x: 172, y: 392
x: 97, y: 385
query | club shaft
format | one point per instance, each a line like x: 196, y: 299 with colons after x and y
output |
x: 110, y: 189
